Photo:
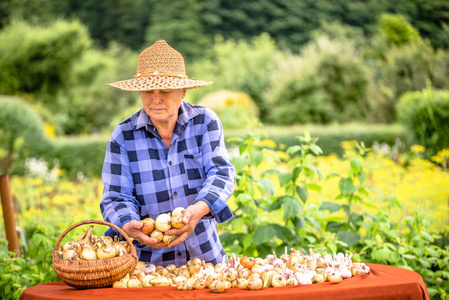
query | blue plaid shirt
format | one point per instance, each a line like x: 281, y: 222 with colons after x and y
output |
x: 143, y: 178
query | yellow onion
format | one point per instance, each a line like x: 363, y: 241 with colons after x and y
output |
x: 241, y: 283
x: 278, y: 280
x: 255, y: 283
x: 157, y: 234
x: 120, y: 284
x: 148, y: 225
x: 292, y: 281
x: 200, y: 283
x: 230, y: 274
x: 317, y: 278
x: 145, y: 281
x: 69, y: 254
x: 107, y: 251
x: 176, y: 221
x: 217, y: 286
x: 178, y: 211
x: 168, y: 238
x: 88, y: 253
x: 70, y: 245
x: 267, y: 278
x: 163, y: 222
x: 160, y: 281
x: 121, y: 249
x: 179, y: 280
x: 134, y: 283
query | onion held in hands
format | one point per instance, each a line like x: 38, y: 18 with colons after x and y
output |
x: 148, y: 225
x: 163, y: 222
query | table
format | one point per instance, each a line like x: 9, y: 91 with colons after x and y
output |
x: 384, y: 282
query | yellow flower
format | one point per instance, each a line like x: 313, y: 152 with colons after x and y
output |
x: 267, y: 143
x: 418, y: 148
x: 49, y: 129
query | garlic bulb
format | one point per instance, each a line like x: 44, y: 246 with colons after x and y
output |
x: 163, y: 222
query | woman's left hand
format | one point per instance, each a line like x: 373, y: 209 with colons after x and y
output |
x: 192, y: 215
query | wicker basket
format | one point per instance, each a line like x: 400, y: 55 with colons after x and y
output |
x: 98, y: 273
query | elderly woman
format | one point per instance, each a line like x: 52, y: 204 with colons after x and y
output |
x: 169, y: 154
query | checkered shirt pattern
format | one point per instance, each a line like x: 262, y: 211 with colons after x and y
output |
x: 143, y: 178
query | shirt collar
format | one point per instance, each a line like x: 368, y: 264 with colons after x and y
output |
x: 186, y: 112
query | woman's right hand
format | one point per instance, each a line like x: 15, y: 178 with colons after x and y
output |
x: 134, y: 230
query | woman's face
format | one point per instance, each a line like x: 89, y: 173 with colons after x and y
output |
x: 162, y: 105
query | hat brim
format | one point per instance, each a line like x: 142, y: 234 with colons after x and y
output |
x: 158, y: 83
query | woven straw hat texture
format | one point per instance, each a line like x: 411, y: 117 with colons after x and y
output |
x: 159, y: 67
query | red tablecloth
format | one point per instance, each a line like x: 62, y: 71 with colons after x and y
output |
x: 384, y: 282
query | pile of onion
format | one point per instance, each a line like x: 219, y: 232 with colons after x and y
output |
x: 164, y: 222
x: 251, y: 273
x: 90, y: 246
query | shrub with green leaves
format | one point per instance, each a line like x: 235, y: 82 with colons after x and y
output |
x: 239, y: 66
x: 40, y: 61
x: 326, y: 83
x: 21, y: 133
x: 426, y: 115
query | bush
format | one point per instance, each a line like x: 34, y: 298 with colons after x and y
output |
x: 89, y: 105
x: 80, y: 155
x: 326, y: 83
x: 21, y: 133
x: 239, y: 66
x: 331, y: 137
x: 426, y: 115
x: 41, y: 60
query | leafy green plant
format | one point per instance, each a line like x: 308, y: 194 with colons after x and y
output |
x: 353, y: 190
x: 255, y: 195
x: 425, y: 114
x: 33, y: 267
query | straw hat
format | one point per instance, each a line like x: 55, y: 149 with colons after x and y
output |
x: 160, y: 67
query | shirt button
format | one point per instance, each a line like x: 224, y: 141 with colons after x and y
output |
x: 175, y: 194
x: 169, y: 163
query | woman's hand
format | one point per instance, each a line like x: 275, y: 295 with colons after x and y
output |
x: 192, y: 215
x: 134, y: 229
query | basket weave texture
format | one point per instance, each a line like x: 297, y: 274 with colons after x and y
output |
x: 98, y: 273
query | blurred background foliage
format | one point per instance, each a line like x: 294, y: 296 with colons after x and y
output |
x: 300, y: 62
x: 372, y: 74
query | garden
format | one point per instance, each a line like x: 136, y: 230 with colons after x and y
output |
x: 338, y: 135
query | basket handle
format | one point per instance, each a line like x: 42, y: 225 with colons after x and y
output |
x: 133, y: 249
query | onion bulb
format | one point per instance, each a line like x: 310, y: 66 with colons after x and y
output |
x: 148, y: 225
x: 107, y: 251
x: 176, y: 221
x: 178, y: 211
x: 216, y: 286
x: 88, y: 253
x: 158, y: 235
x: 255, y: 283
x: 163, y: 222
x: 168, y: 238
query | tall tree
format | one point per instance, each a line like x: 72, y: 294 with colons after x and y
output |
x: 178, y: 22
